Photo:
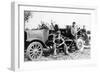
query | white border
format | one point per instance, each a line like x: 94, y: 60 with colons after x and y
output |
x: 17, y: 61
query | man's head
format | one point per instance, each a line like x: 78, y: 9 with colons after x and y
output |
x: 83, y: 26
x: 73, y: 24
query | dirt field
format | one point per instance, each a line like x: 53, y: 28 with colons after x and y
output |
x: 72, y: 56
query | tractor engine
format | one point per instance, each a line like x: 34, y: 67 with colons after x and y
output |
x: 56, y: 43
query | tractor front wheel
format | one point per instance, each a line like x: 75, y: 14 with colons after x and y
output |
x: 80, y: 44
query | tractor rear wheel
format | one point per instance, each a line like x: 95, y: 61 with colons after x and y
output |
x: 34, y: 50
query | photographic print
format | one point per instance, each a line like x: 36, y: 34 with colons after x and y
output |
x: 50, y: 35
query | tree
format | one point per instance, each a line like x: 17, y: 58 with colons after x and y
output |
x: 27, y: 14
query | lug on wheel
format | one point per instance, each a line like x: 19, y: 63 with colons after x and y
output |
x: 34, y: 50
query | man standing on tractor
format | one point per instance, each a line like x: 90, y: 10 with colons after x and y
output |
x: 74, y: 29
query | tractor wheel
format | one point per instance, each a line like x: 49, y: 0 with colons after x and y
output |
x: 72, y: 48
x: 34, y: 50
x: 80, y: 44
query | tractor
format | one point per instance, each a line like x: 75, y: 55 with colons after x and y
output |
x: 45, y: 42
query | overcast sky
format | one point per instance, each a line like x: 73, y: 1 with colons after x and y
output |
x: 62, y: 19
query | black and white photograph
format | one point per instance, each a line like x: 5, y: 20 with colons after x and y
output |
x: 53, y: 36
x: 50, y: 35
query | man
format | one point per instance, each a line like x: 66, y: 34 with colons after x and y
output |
x: 74, y: 29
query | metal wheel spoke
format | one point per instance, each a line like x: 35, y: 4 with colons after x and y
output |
x: 37, y: 45
x: 32, y: 47
x: 35, y: 56
x: 39, y: 49
x: 31, y: 50
x: 39, y: 52
x: 31, y: 54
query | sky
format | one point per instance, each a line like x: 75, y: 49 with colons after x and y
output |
x: 62, y: 19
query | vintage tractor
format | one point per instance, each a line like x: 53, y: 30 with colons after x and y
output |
x: 46, y: 42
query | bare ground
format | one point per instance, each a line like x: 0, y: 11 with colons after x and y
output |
x: 71, y: 56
